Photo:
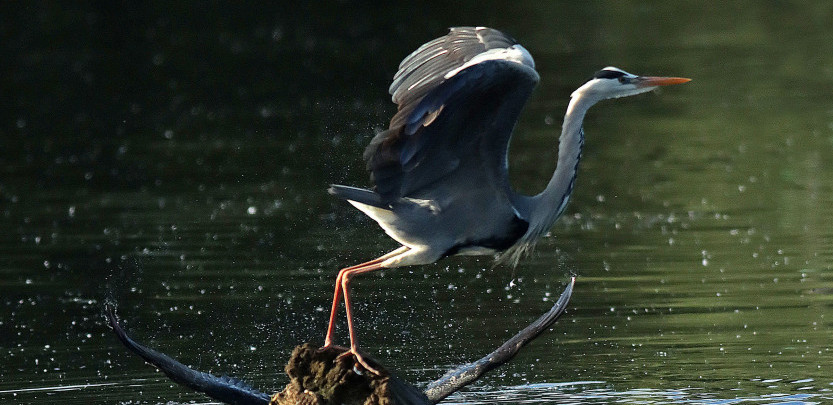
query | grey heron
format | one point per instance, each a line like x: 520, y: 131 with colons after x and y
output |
x: 440, y: 169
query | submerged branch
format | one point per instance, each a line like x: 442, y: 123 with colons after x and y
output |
x: 464, y: 375
x: 324, y: 377
x: 227, y: 389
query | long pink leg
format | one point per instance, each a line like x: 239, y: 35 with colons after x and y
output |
x: 328, y: 340
x: 345, y: 284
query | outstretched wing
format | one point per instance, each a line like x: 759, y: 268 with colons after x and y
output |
x: 459, y: 97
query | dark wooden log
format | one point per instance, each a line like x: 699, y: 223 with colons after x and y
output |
x: 325, y: 377
x: 464, y: 375
x: 226, y: 389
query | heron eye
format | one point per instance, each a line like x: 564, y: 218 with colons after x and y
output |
x: 623, y: 79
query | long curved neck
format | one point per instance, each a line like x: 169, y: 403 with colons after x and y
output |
x: 553, y: 200
x: 542, y: 210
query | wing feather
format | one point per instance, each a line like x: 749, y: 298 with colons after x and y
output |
x: 459, y: 97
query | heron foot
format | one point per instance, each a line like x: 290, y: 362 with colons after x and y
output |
x: 360, y: 359
x: 330, y: 346
x: 344, y: 353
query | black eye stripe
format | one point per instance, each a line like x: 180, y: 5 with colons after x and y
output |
x: 608, y: 74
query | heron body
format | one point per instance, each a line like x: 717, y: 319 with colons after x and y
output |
x: 440, y: 171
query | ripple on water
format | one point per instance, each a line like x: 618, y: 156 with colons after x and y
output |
x: 599, y: 392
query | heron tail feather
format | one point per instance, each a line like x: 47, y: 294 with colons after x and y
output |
x: 360, y: 195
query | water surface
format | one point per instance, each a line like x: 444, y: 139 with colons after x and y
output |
x: 175, y: 159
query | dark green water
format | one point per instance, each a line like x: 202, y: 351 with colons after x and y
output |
x: 175, y: 158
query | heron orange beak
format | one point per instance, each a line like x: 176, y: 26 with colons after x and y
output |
x: 651, y: 81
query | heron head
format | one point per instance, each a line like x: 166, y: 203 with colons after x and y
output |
x: 612, y: 82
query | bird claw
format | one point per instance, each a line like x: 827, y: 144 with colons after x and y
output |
x: 333, y: 347
x: 360, y: 361
x: 354, y: 353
